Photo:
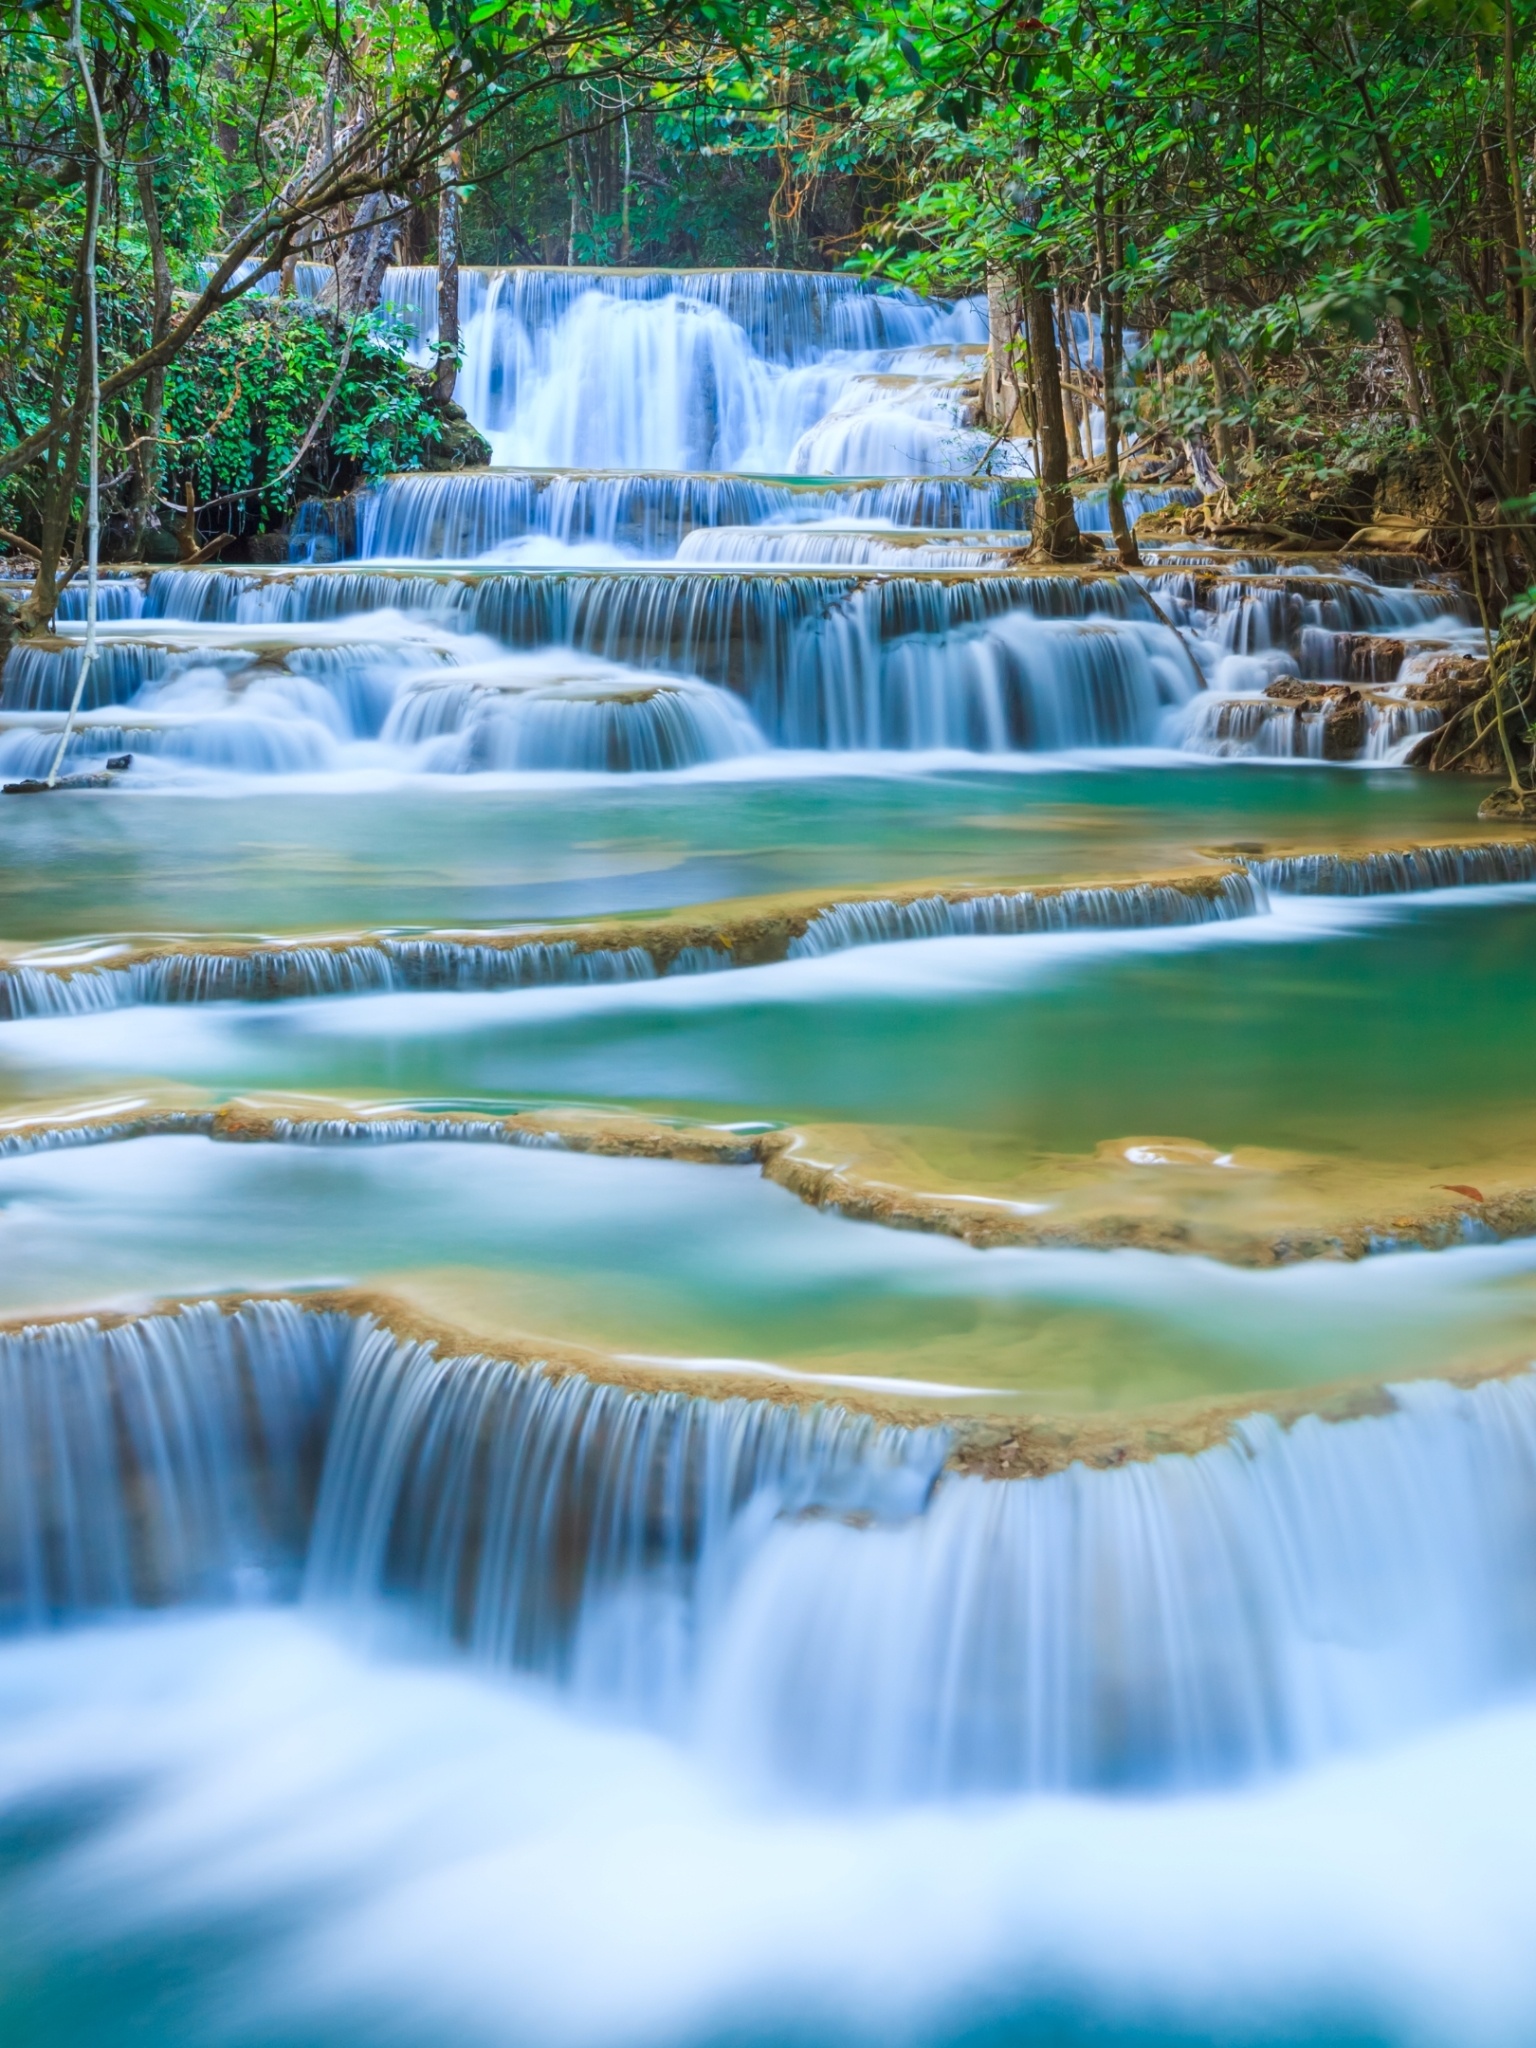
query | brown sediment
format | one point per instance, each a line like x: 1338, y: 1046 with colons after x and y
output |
x: 990, y: 1446
x: 1246, y: 1208
x: 1034, y: 1447
x: 1243, y: 852
x: 753, y: 932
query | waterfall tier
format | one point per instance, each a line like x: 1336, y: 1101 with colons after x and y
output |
x: 1398, y: 872
x: 798, y: 1589
x: 695, y: 370
x: 376, y: 964
x: 821, y: 659
x: 579, y: 1531
x: 172, y: 1459
x: 471, y: 513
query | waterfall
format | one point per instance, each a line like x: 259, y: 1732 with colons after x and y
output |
x: 468, y: 514
x: 171, y: 1459
x: 252, y: 598
x: 691, y: 370
x: 1396, y: 873
x: 856, y: 593
x: 367, y: 966
x: 787, y: 316
x: 829, y: 660
x: 620, y: 725
x: 44, y: 678
x: 807, y: 1593
x: 881, y: 922
x: 271, y: 974
x: 117, y: 597
x: 1180, y: 1623
x: 579, y: 1531
x: 817, y: 546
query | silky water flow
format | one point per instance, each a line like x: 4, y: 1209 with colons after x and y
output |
x: 682, y: 1645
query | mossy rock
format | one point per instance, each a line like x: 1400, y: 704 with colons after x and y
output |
x: 456, y: 444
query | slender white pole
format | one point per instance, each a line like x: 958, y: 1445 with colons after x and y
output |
x: 91, y: 341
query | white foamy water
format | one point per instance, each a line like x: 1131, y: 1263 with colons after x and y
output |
x: 775, y: 372
x: 302, y: 1841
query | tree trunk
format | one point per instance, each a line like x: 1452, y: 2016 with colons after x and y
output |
x: 368, y: 252
x: 147, y: 455
x: 1208, y: 478
x: 448, y: 280
x: 58, y: 498
x: 1002, y: 399
x: 1221, y: 432
x: 1055, y: 538
x: 1111, y: 352
x: 1112, y: 343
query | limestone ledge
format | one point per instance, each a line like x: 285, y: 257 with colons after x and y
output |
x: 998, y: 1447
x: 1170, y: 1195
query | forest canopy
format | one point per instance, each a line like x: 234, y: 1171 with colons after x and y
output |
x: 1304, y: 232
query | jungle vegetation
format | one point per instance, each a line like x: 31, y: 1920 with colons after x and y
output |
x: 1305, y: 226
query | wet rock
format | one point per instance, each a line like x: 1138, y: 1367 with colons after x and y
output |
x: 1370, y: 657
x: 267, y: 548
x: 1509, y: 803
x: 1450, y: 679
x: 1393, y: 534
x: 455, y: 443
x: 1344, y: 727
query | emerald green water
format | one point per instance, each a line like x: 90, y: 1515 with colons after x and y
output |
x: 287, y: 861
x: 708, y: 1263
x: 1389, y: 1030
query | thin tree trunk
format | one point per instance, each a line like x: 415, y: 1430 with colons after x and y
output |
x: 1001, y: 397
x: 1056, y: 537
x: 369, y: 251
x: 1111, y: 344
x: 1112, y: 333
x: 147, y: 455
x: 625, y: 251
x: 1221, y: 432
x: 59, y: 493
x: 448, y: 280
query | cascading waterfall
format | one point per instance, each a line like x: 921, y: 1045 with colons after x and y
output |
x: 878, y: 607
x: 275, y: 974
x: 1179, y: 1623
x: 1308, y: 665
x: 804, y: 1592
x: 1069, y: 910
x: 576, y: 1530
x: 466, y: 515
x: 1395, y: 873
x: 488, y: 718
x: 117, y: 597
x: 386, y: 964
x: 820, y: 658
x: 696, y: 370
x: 835, y: 661
x: 167, y: 1460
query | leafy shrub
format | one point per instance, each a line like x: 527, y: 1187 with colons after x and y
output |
x: 244, y: 396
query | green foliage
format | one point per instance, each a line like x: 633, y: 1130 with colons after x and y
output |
x: 273, y: 365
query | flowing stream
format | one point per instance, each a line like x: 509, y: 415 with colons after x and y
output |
x: 763, y: 1278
